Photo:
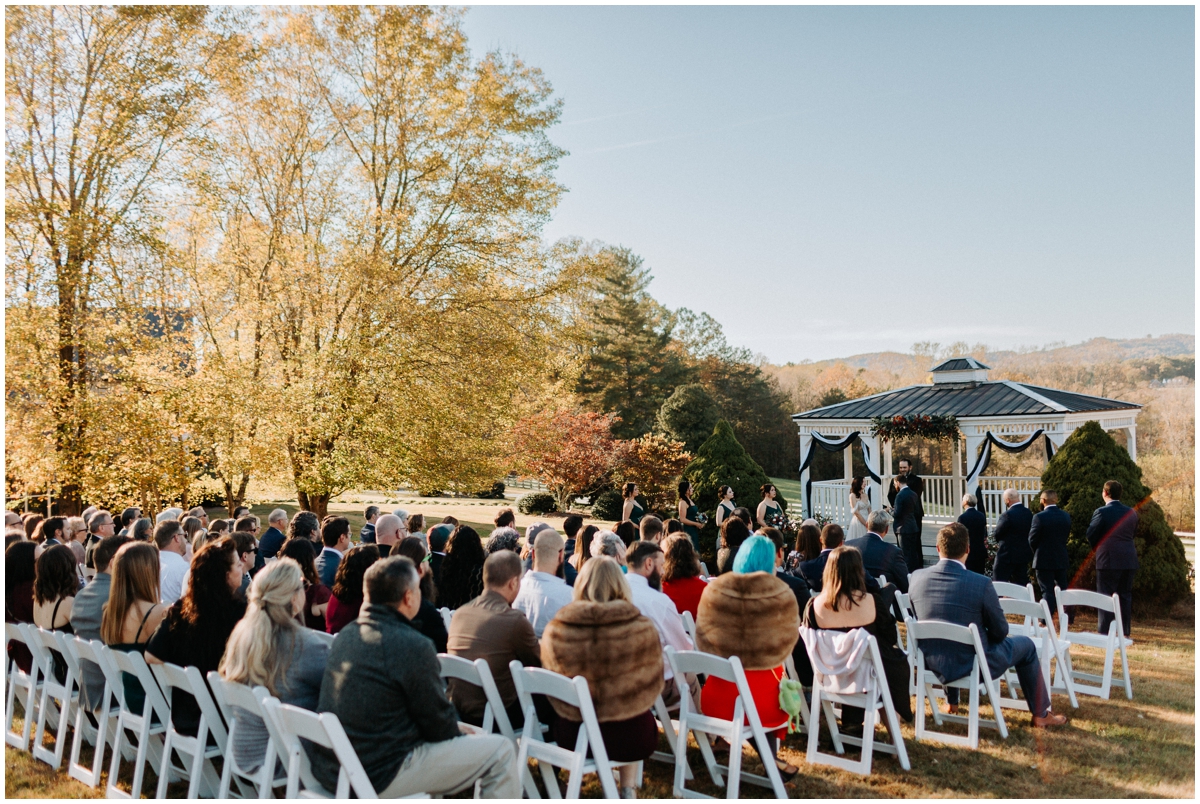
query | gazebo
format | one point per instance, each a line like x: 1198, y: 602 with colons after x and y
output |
x: 1008, y: 415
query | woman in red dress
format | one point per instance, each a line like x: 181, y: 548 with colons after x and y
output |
x: 681, y: 574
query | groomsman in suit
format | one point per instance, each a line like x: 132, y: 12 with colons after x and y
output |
x: 975, y: 521
x: 1048, y: 540
x: 906, y: 471
x: 1111, y: 536
x: 908, y: 526
x: 879, y: 557
x: 1012, y: 540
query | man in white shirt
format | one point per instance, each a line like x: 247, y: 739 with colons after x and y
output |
x: 172, y: 565
x: 543, y: 593
x: 646, y: 561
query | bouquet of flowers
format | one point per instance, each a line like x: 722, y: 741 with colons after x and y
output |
x: 780, y: 521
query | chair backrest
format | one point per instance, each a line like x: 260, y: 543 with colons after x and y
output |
x: 689, y: 625
x: 479, y: 673
x: 325, y: 730
x: 950, y: 632
x: 447, y: 615
x: 134, y: 664
x: 103, y: 658
x: 693, y: 661
x: 1039, y: 611
x: 536, y: 681
x: 905, y: 603
x: 189, y: 680
x: 1082, y: 597
x: 882, y: 580
x: 703, y: 569
x: 39, y: 642
x: 228, y: 694
x: 1012, y: 590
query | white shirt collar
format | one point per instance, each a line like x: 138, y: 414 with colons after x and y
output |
x: 543, y: 577
x: 638, y: 580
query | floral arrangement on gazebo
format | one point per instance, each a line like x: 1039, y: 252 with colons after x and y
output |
x: 894, y: 428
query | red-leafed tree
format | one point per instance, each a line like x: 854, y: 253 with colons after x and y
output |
x: 572, y: 452
x: 655, y: 463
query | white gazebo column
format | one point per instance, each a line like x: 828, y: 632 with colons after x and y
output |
x: 958, y: 474
x: 886, y: 474
x: 848, y: 463
x: 878, y: 498
x: 805, y: 443
x: 1131, y: 441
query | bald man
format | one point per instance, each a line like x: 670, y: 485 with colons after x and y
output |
x: 542, y: 592
x: 387, y: 532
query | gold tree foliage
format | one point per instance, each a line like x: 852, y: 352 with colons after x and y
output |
x: 655, y: 463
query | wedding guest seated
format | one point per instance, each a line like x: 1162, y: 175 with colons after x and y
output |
x: 570, y: 528
x: 74, y: 535
x: 651, y: 529
x: 490, y: 628
x: 52, y: 531
x: 172, y: 565
x: 438, y: 536
x: 100, y: 526
x: 751, y: 614
x: 681, y: 574
x: 505, y: 518
x: 416, y: 527
x: 462, y: 568
x: 627, y: 532
x: 602, y: 637
x: 505, y: 538
x: 542, y: 592
x: 88, y: 613
x: 133, y: 612
x: 128, y: 517
x: 813, y: 571
x: 273, y: 537
x: 142, y: 530
x: 607, y: 543
x: 316, y: 594
x: 949, y: 591
x: 306, y: 526
x: 879, y: 557
x: 335, y: 537
x: 797, y: 584
x: 645, y: 574
x: 734, y: 531
x: 20, y: 571
x: 346, y: 598
x: 674, y: 526
x: 583, y: 547
x: 428, y: 620
x: 395, y: 713
x: 367, y: 534
x: 845, y: 604
x: 269, y: 648
x: 54, y: 591
x: 247, y: 552
x: 195, y: 628
x: 808, y: 546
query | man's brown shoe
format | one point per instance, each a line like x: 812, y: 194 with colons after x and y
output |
x: 1050, y: 719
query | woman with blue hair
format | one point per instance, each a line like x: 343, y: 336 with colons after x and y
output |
x: 751, y: 614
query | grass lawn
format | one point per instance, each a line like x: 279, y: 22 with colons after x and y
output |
x: 1110, y: 749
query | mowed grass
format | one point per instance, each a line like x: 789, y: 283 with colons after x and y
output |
x: 1110, y: 748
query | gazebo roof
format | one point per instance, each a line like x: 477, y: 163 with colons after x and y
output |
x: 965, y: 400
x: 959, y: 364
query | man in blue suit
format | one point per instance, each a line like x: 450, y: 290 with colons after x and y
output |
x: 335, y: 535
x: 975, y: 521
x: 1012, y: 541
x: 812, y: 571
x: 1048, y: 540
x: 948, y: 591
x: 879, y: 557
x: 907, y: 523
x: 1111, y: 536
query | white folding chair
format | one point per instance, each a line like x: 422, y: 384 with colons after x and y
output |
x: 79, y: 651
x: 200, y: 772
x: 479, y: 673
x: 789, y: 667
x: 1013, y: 590
x: 827, y: 691
x: 256, y: 782
x: 144, y: 725
x: 44, y: 645
x: 980, y: 678
x: 87, y: 572
x: 294, y: 724
x: 30, y: 683
x: 1110, y: 643
x: 447, y: 615
x: 531, y: 681
x: 704, y: 569
x: 1041, y: 630
x: 689, y: 625
x: 744, y: 727
x: 324, y: 636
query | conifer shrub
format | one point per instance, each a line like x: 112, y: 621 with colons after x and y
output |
x: 607, y: 506
x: 688, y: 415
x: 1078, y: 472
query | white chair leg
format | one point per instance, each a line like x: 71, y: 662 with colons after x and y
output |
x: 735, y: 754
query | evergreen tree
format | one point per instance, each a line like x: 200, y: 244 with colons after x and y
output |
x: 688, y: 415
x: 631, y: 366
x: 1088, y: 458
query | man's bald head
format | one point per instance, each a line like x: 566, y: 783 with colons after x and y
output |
x: 11, y: 518
x: 547, y: 550
x: 1011, y: 497
x: 387, y: 528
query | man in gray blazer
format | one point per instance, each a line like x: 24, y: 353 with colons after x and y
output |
x: 948, y: 591
x: 88, y: 610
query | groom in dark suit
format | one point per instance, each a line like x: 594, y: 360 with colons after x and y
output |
x: 1048, y: 540
x: 1012, y: 541
x: 1111, y: 535
x: 949, y: 591
x: 908, y: 526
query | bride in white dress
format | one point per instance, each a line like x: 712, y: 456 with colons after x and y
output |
x: 860, y: 508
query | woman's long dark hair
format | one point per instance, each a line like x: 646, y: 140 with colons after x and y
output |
x: 681, y: 560
x: 733, y: 532
x: 627, y: 531
x: 583, y: 544
x: 462, y: 568
x: 683, y: 489
x: 844, y: 578
x: 765, y: 489
x: 808, y: 542
x: 19, y: 565
x: 348, y: 582
x: 414, y: 549
x: 209, y: 601
x: 856, y: 486
x: 627, y: 490
x: 300, y: 551
x: 57, y: 576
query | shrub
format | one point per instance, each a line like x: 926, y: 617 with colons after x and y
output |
x: 1088, y: 458
x: 689, y: 415
x: 496, y: 492
x: 537, y: 503
x: 607, y: 506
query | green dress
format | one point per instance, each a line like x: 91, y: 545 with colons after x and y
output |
x: 693, y: 513
x: 635, y: 516
x: 773, y: 509
x: 728, y: 508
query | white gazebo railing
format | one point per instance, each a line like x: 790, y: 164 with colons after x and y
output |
x: 831, y: 498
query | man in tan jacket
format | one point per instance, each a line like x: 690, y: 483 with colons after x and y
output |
x: 490, y: 628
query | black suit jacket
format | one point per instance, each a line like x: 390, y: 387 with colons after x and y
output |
x: 975, y: 521
x: 904, y: 512
x: 797, y: 585
x: 811, y: 572
x: 881, y: 558
x: 1048, y: 538
x: 892, y: 490
x: 1111, y: 534
x: 1012, y: 535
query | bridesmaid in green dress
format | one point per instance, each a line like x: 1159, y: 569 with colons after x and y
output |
x: 631, y: 510
x: 768, y: 509
x: 725, y: 507
x: 689, y: 514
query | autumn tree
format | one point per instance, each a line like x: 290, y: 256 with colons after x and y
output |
x: 655, y: 463
x: 573, y: 452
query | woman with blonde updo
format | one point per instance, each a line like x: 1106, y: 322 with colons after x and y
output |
x: 268, y: 646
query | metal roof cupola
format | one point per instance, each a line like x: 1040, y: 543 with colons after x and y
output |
x: 959, y: 371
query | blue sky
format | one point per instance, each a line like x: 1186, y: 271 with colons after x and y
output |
x: 826, y: 181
